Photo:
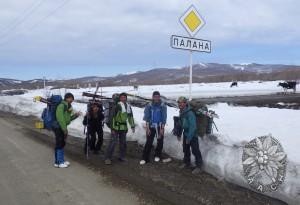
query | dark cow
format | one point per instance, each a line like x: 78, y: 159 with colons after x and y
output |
x: 288, y: 85
x: 234, y: 84
x: 136, y: 87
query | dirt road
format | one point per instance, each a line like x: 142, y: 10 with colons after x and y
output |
x: 27, y: 175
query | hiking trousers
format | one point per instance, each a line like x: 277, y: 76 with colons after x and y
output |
x: 149, y: 144
x: 115, y: 137
x: 95, y: 139
x: 59, y: 138
x: 194, y: 146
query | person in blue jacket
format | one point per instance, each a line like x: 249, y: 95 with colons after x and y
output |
x: 155, y: 116
x: 190, y: 137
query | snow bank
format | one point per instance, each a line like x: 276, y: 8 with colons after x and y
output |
x: 222, y: 154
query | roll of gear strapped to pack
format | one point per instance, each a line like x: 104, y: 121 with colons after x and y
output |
x: 204, y: 120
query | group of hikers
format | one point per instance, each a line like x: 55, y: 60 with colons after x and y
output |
x: 120, y: 121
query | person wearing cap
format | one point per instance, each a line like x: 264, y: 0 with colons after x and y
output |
x: 64, y: 116
x: 94, y: 122
x: 121, y: 117
x: 190, y: 137
x: 155, y: 116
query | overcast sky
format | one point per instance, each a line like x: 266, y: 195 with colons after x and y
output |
x: 70, y: 38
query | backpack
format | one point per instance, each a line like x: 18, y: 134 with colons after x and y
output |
x: 156, y: 116
x: 49, y: 113
x: 177, y: 130
x: 203, y: 120
x: 110, y: 110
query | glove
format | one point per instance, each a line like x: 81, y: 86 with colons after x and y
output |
x: 133, y: 130
x: 187, y: 141
x: 179, y: 139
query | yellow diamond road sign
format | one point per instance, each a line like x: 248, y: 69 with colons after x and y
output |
x: 192, y: 21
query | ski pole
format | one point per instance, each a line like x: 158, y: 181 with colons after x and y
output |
x: 215, y: 126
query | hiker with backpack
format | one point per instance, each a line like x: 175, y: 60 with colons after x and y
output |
x: 64, y: 115
x: 155, y: 116
x: 188, y: 123
x: 93, y: 120
x: 121, y: 116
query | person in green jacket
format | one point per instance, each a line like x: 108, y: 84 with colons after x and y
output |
x: 122, y: 116
x: 190, y: 137
x: 64, y: 116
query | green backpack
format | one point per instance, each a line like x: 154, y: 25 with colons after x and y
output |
x: 203, y: 120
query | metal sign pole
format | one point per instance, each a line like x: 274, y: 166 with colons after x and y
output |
x: 44, y: 82
x: 191, y: 75
x: 192, y: 22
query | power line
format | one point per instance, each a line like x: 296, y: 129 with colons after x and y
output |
x: 22, y: 18
x: 51, y: 13
x: 55, y: 10
x: 15, y: 20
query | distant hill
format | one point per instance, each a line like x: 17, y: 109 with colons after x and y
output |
x: 208, y: 72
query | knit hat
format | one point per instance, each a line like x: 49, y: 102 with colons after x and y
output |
x: 123, y: 94
x: 156, y: 93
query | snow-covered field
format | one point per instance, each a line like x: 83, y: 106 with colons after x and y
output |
x: 237, y: 126
x: 205, y: 89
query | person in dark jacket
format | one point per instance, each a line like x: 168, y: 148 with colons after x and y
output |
x: 155, y: 116
x: 93, y: 120
x: 190, y: 137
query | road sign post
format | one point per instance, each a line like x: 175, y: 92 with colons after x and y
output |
x: 192, y: 22
x: 191, y: 75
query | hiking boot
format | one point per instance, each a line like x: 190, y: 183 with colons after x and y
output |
x: 122, y: 160
x: 66, y: 163
x: 197, y: 170
x: 166, y: 160
x: 184, y: 166
x: 107, y: 162
x: 142, y: 162
x: 156, y: 159
x: 63, y: 165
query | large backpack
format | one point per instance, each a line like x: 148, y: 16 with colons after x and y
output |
x: 49, y: 113
x: 162, y: 105
x: 110, y: 110
x: 204, y: 122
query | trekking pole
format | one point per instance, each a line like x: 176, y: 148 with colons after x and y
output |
x: 87, y: 144
x: 215, y: 126
x: 86, y: 141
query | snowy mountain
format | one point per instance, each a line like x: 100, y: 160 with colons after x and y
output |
x: 202, y: 72
x: 9, y: 82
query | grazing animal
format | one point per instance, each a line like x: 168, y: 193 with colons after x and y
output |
x: 288, y: 85
x: 234, y: 84
x: 135, y: 87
